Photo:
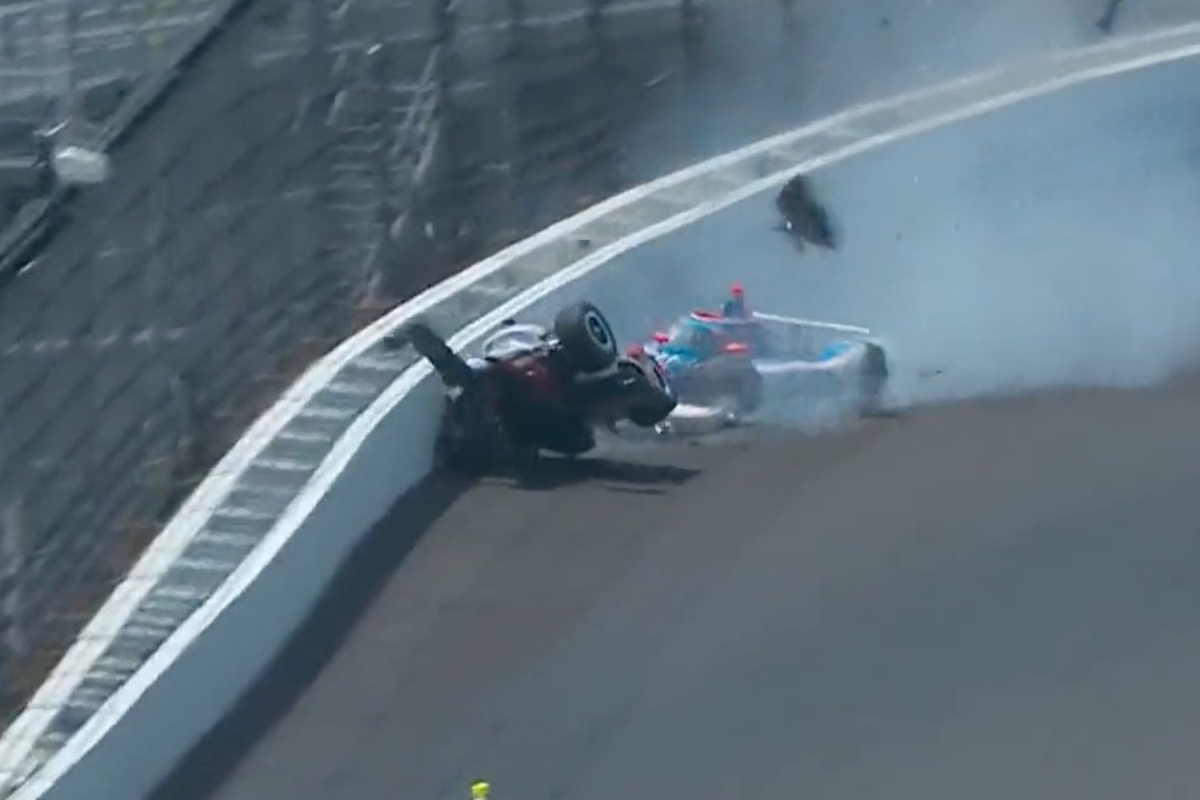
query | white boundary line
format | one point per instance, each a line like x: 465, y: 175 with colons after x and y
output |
x: 1125, y: 56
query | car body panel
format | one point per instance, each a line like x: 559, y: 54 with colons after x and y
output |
x: 524, y: 390
x: 797, y: 356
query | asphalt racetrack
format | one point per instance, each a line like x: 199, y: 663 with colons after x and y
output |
x: 988, y: 600
x: 993, y: 598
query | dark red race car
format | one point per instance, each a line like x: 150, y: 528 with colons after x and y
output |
x: 534, y: 389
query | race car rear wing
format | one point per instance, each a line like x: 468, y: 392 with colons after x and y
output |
x: 810, y: 335
x: 812, y: 324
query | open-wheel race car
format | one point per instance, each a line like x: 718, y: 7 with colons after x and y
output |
x: 728, y: 358
x: 533, y: 389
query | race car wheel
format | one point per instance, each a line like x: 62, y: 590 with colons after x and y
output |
x: 656, y: 404
x: 749, y: 391
x: 873, y: 380
x: 570, y: 440
x: 474, y: 441
x: 736, y: 385
x: 586, y: 337
x: 648, y: 417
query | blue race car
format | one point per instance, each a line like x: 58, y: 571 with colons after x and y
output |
x: 726, y: 358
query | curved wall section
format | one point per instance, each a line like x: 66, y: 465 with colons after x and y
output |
x: 375, y: 436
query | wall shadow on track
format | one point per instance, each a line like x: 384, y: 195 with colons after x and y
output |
x: 622, y: 476
x: 355, y: 589
x: 993, y: 598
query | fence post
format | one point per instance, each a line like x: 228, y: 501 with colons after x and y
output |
x: 596, y: 12
x: 380, y: 77
x: 12, y: 566
x: 445, y: 28
x: 517, y: 30
x: 692, y: 22
x: 67, y: 77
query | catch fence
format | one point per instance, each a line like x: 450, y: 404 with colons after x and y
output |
x: 280, y: 173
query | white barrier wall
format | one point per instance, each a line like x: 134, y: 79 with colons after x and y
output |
x: 366, y: 438
x: 200, y: 678
x: 264, y: 602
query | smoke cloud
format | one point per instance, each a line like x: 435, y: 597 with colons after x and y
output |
x: 1052, y: 243
x: 770, y: 65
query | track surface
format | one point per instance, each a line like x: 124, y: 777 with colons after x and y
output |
x: 991, y: 600
x: 988, y: 600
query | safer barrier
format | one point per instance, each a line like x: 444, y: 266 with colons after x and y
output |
x: 356, y: 432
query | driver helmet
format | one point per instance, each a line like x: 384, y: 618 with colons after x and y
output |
x: 479, y: 790
x: 735, y: 306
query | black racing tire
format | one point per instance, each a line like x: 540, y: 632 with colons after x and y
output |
x: 749, y: 390
x: 586, y: 337
x: 470, y: 440
x: 465, y: 456
x: 737, y: 382
x: 570, y: 440
x: 875, y: 362
x: 873, y: 380
x: 657, y: 405
x: 649, y: 416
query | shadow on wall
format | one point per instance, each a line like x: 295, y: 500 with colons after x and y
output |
x: 358, y: 582
x: 360, y: 579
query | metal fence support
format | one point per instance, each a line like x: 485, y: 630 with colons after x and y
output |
x: 517, y: 13
x: 692, y: 27
x: 12, y: 568
x: 66, y: 94
x: 444, y: 49
x: 288, y: 170
x: 596, y: 11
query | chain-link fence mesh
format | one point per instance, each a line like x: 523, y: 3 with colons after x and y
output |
x: 309, y: 165
x: 93, y: 62
x: 282, y: 171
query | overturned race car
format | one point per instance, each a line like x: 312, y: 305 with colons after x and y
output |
x: 534, y: 389
x: 727, y: 358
